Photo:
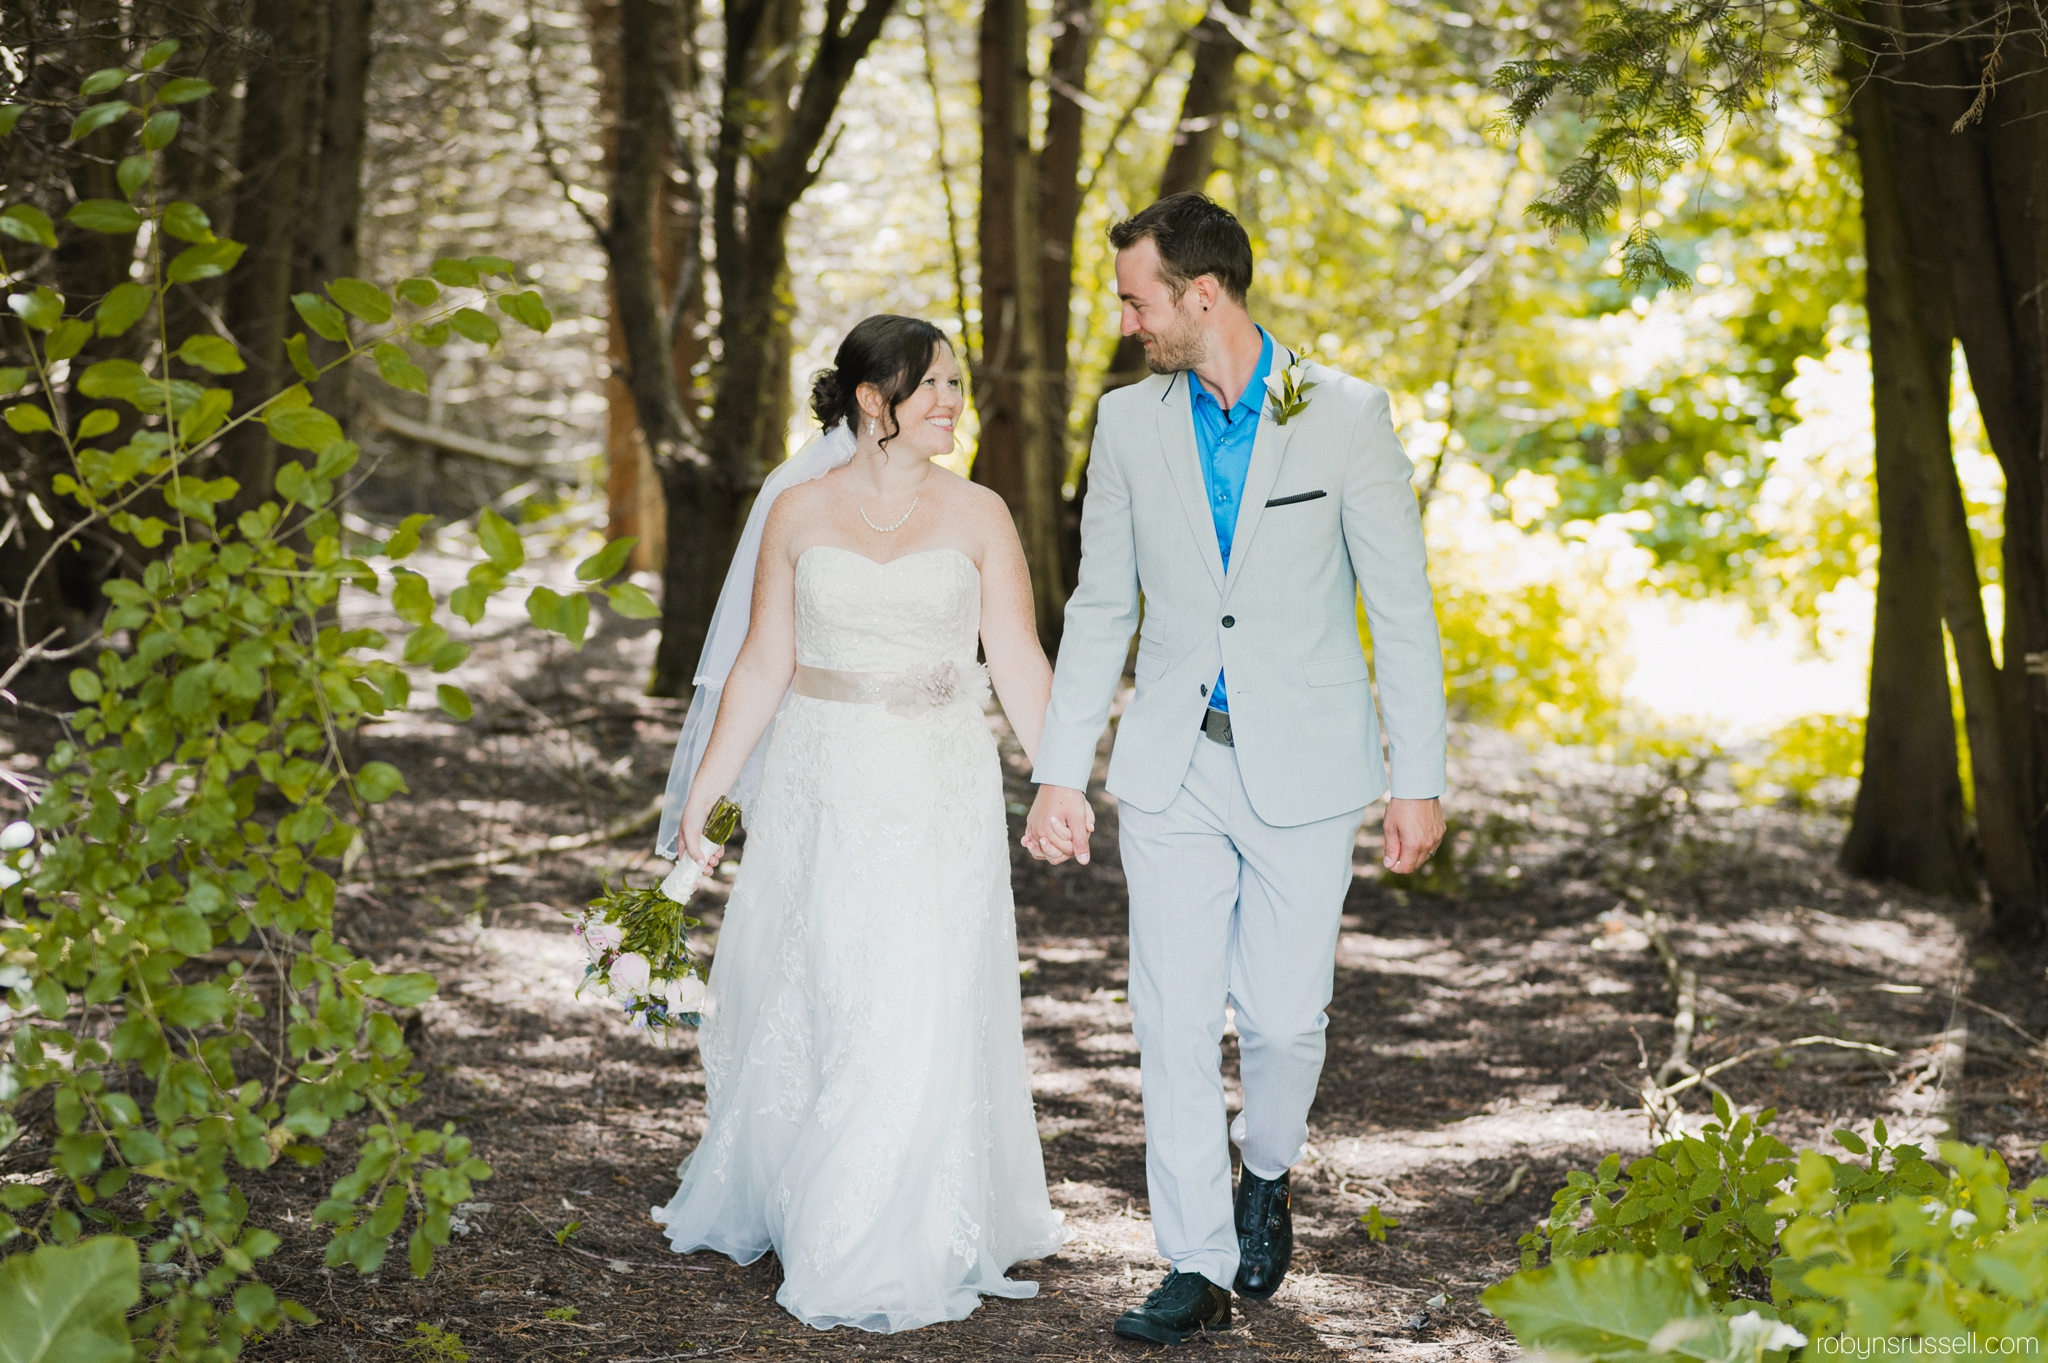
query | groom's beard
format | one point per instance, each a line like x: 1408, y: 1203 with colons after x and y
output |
x: 1178, y: 347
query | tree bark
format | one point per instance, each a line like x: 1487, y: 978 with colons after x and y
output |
x: 1015, y: 456
x: 1210, y: 98
x: 328, y: 241
x: 1059, y: 211
x: 768, y: 154
x: 268, y: 208
x: 1981, y: 175
x: 1908, y: 820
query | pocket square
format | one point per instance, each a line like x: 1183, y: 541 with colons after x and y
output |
x: 1298, y: 497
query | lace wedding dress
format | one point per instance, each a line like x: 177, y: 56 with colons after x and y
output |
x: 868, y: 1111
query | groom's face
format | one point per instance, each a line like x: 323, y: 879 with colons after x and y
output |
x: 1169, y: 327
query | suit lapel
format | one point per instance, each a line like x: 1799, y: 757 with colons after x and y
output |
x: 1184, y: 464
x: 1267, y: 449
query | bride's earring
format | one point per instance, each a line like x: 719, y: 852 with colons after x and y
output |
x: 871, y: 425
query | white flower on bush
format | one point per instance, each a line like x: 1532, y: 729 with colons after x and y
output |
x: 598, y: 938
x: 630, y: 973
x: 685, y: 995
x: 8, y: 877
x: 16, y: 836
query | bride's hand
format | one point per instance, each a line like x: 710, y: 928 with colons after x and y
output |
x: 690, y: 835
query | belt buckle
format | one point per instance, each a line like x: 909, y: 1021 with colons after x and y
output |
x: 1216, y: 727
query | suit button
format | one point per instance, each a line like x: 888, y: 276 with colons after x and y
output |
x: 1229, y: 620
x: 1205, y: 688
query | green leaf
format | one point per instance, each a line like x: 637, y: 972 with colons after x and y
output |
x: 492, y: 265
x: 101, y: 81
x: 123, y: 307
x: 122, y: 379
x: 420, y: 292
x: 468, y: 600
x: 472, y: 325
x: 454, y: 700
x: 326, y: 320
x: 633, y: 602
x: 183, y: 91
x: 97, y: 117
x: 1851, y: 1142
x: 1611, y: 1307
x: 159, y: 54
x: 204, y: 416
x: 26, y: 419
x: 85, y: 684
x: 67, y: 338
x: 188, y: 222
x: 97, y: 423
x: 212, y: 354
x: 527, y: 308
x: 406, y: 538
x: 575, y: 618
x: 607, y: 561
x: 26, y: 222
x: 433, y: 337
x: 104, y: 215
x: 133, y: 173
x: 70, y: 1304
x: 302, y: 359
x: 301, y: 427
x: 397, y: 369
x: 544, y: 609
x: 160, y: 129
x: 204, y: 261
x: 402, y: 991
x: 379, y: 781
x: 41, y: 309
x: 10, y: 114
x: 412, y: 598
x: 500, y: 541
x: 12, y: 380
x: 361, y: 298
x: 457, y: 274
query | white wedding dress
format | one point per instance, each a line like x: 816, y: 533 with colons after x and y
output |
x: 868, y: 1113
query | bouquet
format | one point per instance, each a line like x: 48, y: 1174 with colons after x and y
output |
x: 638, y: 942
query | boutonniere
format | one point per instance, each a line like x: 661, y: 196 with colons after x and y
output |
x: 1287, y: 390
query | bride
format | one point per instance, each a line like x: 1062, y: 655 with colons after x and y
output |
x: 868, y: 1112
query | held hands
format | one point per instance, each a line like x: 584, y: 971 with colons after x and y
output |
x: 690, y: 836
x: 1413, y: 830
x: 1059, y: 824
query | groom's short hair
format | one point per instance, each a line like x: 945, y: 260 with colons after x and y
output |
x: 1195, y: 236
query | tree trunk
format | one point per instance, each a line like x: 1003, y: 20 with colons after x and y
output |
x: 1981, y: 176
x: 328, y: 234
x: 1059, y: 210
x: 1210, y: 98
x: 1018, y: 437
x: 268, y: 208
x: 1908, y: 822
x: 766, y: 158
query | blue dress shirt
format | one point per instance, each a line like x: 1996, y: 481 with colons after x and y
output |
x: 1223, y: 440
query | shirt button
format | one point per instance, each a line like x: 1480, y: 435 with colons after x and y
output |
x: 1229, y: 620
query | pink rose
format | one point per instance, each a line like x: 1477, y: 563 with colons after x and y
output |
x: 630, y: 973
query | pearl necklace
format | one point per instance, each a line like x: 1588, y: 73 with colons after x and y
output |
x: 897, y: 525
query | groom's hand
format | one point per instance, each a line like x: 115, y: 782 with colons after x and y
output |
x: 1059, y: 824
x: 1413, y: 829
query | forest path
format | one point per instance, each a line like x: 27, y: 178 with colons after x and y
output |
x: 1483, y: 1040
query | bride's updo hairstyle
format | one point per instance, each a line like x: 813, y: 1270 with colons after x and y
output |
x: 888, y: 351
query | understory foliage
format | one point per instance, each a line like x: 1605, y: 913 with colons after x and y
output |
x: 1728, y: 1247
x: 178, y: 1008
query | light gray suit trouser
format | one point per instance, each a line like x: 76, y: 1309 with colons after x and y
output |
x: 1226, y: 908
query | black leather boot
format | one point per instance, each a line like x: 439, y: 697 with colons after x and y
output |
x: 1265, y: 1234
x: 1180, y: 1306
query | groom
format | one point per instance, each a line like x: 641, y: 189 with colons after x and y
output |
x: 1235, y: 537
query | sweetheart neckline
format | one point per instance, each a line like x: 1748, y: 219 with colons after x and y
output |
x: 884, y: 563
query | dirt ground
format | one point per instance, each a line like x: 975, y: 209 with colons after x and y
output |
x: 1488, y: 1033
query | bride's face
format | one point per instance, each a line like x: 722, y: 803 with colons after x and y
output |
x: 926, y: 418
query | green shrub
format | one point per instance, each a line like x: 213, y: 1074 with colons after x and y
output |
x: 1800, y: 756
x: 1897, y: 1249
x: 204, y: 795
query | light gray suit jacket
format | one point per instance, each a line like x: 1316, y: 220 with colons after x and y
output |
x: 1327, y: 511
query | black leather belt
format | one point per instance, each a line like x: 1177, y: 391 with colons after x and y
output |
x: 1216, y: 726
